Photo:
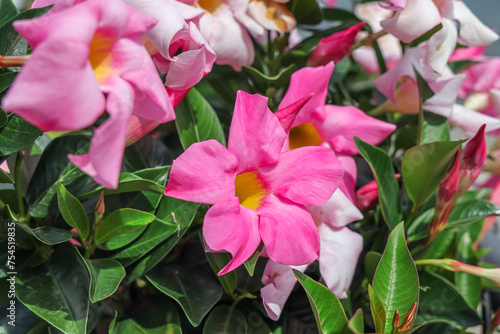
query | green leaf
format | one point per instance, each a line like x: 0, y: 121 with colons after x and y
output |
x: 305, y: 11
x: 196, y: 120
x: 356, y: 323
x: 72, y: 211
x: 196, y: 293
x: 53, y: 167
x: 225, y: 320
x: 263, y: 82
x: 173, y: 217
x: 9, y: 34
x: 7, y: 11
x: 468, y: 285
x: 160, y: 317
x: 371, y: 262
x: 464, y: 212
x: 396, y: 278
x: 129, y: 182
x: 16, y: 135
x: 5, y: 177
x: 105, y: 277
x: 377, y: 309
x: 336, y: 14
x: 441, y: 302
x: 424, y: 166
x: 122, y: 240
x: 217, y: 262
x: 388, y: 188
x: 328, y: 311
x: 6, y: 79
x: 120, y: 222
x: 252, y: 261
x: 434, y: 128
x: 57, y: 291
x: 47, y: 234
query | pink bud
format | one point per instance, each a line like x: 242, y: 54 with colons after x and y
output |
x: 409, y: 318
x: 334, y: 47
x: 287, y: 115
x: 473, y: 160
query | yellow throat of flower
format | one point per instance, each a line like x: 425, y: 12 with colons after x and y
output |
x: 100, y: 56
x: 250, y: 190
x: 210, y: 6
x: 304, y: 135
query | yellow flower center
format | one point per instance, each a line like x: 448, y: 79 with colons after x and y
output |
x: 304, y: 135
x: 210, y: 5
x: 100, y: 56
x: 250, y: 190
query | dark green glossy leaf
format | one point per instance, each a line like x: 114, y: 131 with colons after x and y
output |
x: 434, y: 128
x: 122, y: 240
x: 371, y: 262
x: 225, y: 320
x: 173, y: 217
x: 58, y: 291
x: 464, y: 212
x: 105, y: 277
x: 7, y: 11
x: 120, y: 222
x: 53, y: 167
x: 263, y: 82
x: 9, y: 34
x: 396, y: 278
x: 196, y: 120
x: 16, y: 135
x: 388, y: 188
x: 424, y: 166
x: 377, y: 309
x: 6, y: 79
x: 47, y: 234
x: 196, y: 293
x: 5, y: 177
x: 468, y: 285
x: 160, y: 317
x: 441, y: 302
x: 337, y: 14
x: 327, y: 309
x: 72, y: 211
x: 217, y: 262
x: 306, y: 11
x: 356, y: 323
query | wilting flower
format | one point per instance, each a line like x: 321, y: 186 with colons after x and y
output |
x: 257, y: 191
x: 98, y: 42
x: 400, y: 86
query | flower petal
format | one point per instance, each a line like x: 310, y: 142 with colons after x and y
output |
x: 204, y: 173
x: 230, y: 227
x: 441, y: 45
x: 288, y: 232
x: 337, y: 212
x: 304, y: 82
x: 469, y: 121
x: 256, y: 136
x: 340, y: 249
x: 418, y: 17
x: 348, y: 184
x: 342, y: 123
x: 306, y: 175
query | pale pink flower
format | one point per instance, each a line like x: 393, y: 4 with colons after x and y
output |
x: 272, y: 14
x: 99, y: 43
x: 257, y: 191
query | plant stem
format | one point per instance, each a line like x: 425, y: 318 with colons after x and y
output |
x: 13, y: 61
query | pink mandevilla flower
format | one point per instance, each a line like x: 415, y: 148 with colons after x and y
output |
x: 258, y: 192
x: 81, y: 53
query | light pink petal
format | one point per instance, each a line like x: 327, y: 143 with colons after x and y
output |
x: 232, y: 228
x: 204, y: 173
x: 287, y: 115
x: 288, y: 232
x: 304, y: 82
x: 470, y: 53
x: 138, y: 127
x: 340, y: 249
x: 188, y: 11
x: 418, y: 17
x: 367, y: 196
x: 256, y: 136
x: 446, y: 92
x: 279, y: 281
x: 495, y: 96
x: 235, y: 49
x: 342, y: 123
x: 103, y: 162
x: 58, y: 4
x: 469, y: 121
x: 348, y: 183
x: 337, y: 212
x: 335, y: 47
x: 394, y: 4
x: 441, y: 45
x: 472, y: 31
x: 306, y: 175
x: 57, y: 102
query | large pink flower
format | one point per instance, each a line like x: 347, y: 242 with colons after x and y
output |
x: 258, y: 192
x: 81, y: 53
